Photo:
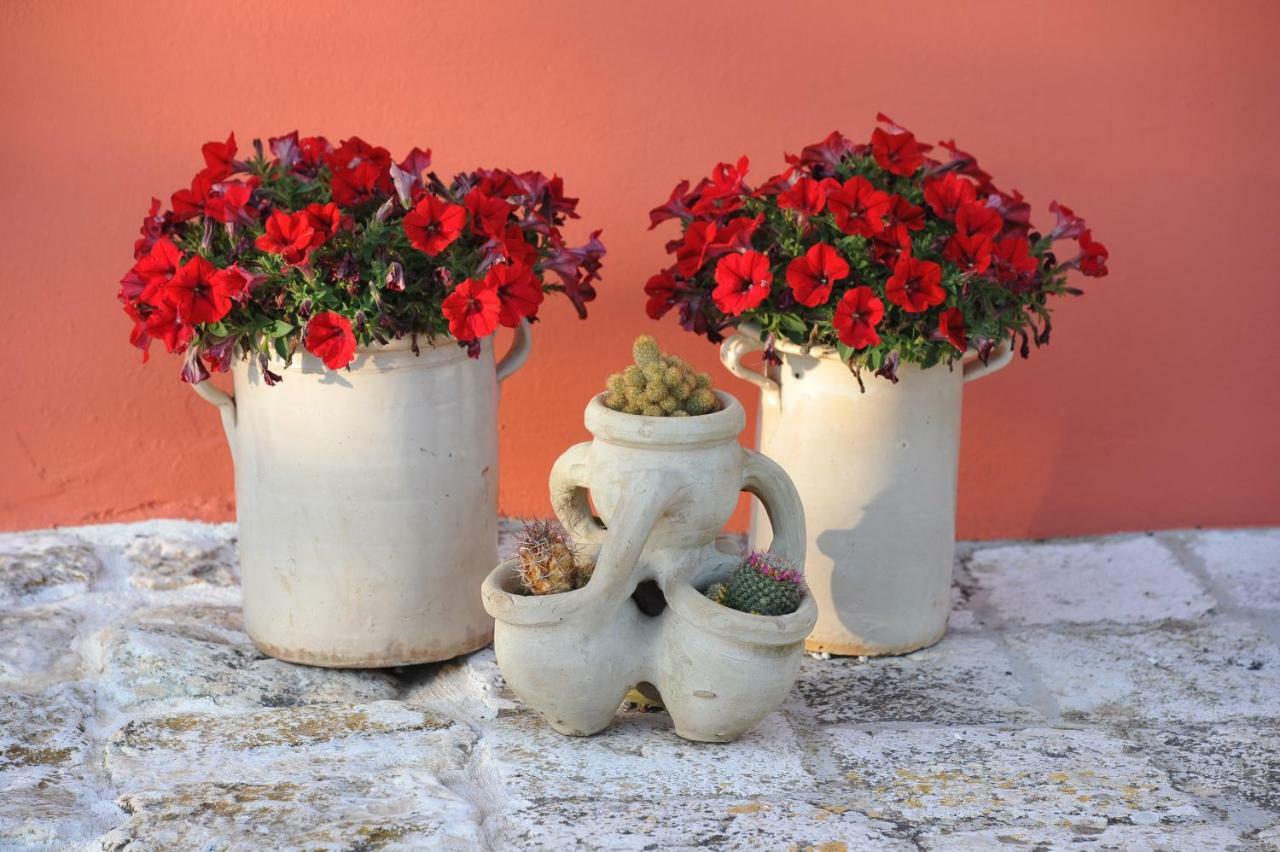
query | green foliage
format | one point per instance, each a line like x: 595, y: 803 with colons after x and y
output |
x: 659, y: 385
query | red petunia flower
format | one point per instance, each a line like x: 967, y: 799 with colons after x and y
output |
x: 329, y: 338
x: 916, y: 285
x: 722, y: 193
x: 1093, y: 256
x: 806, y: 196
x: 946, y: 195
x: 236, y: 282
x: 156, y: 267
x: 196, y: 293
x: 231, y: 204
x: 859, y: 207
x: 904, y: 215
x: 488, y: 214
x: 951, y: 326
x: 1069, y: 225
x: 825, y: 156
x: 1012, y: 258
x: 897, y: 153
x: 742, y: 282
x: 220, y: 157
x: 856, y: 317
x: 661, y: 290
x: 189, y: 203
x: 159, y: 322
x: 812, y: 276
x: 970, y: 252
x: 513, y: 246
x: 325, y: 220
x: 288, y: 235
x: 977, y: 218
x: 519, y: 292
x: 472, y: 309
x: 734, y: 235
x: 433, y: 225
x: 691, y: 252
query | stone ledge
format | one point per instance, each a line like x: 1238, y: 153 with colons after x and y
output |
x: 1118, y: 692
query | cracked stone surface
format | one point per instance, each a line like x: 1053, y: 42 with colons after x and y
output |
x: 1115, y: 693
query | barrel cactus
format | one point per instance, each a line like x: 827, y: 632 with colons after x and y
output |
x: 659, y: 385
x: 764, y: 584
x: 549, y: 561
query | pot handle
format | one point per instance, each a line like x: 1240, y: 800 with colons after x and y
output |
x: 731, y: 353
x: 769, y: 482
x: 518, y: 353
x: 998, y: 360
x: 569, y: 496
x: 226, y: 407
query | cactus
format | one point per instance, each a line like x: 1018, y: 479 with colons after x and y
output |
x: 764, y: 584
x: 659, y: 385
x: 549, y: 561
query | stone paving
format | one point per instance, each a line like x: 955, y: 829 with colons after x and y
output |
x: 1117, y: 693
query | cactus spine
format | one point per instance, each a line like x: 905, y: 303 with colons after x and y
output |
x: 549, y: 562
x: 764, y: 584
x: 659, y: 385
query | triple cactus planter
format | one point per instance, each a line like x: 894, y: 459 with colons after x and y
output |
x: 664, y: 488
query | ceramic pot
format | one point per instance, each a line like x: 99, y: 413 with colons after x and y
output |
x: 876, y: 472
x: 367, y: 501
x: 664, y: 488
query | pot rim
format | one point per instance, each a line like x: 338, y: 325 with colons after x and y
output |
x: 638, y: 430
x: 528, y: 610
x: 745, y: 627
x: 389, y: 355
x: 821, y: 350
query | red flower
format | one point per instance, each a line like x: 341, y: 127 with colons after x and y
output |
x: 161, y: 323
x: 812, y: 276
x: 472, y: 309
x: 1012, y: 257
x: 970, y: 252
x: 723, y: 193
x: 742, y: 282
x: 948, y: 194
x: 513, y: 246
x: 859, y: 207
x: 220, y: 157
x: 825, y: 156
x: 433, y: 224
x: 856, y: 316
x: 325, y: 220
x: 916, y: 285
x: 232, y: 204
x: 518, y: 290
x: 807, y: 196
x: 288, y: 235
x: 691, y: 252
x: 977, y: 218
x: 197, y: 294
x: 661, y: 290
x: 904, y: 215
x: 235, y: 282
x: 358, y: 184
x: 155, y: 268
x: 951, y: 326
x: 488, y: 214
x: 897, y: 153
x: 1069, y: 226
x: 734, y: 235
x: 189, y: 203
x: 330, y: 339
x: 1093, y: 256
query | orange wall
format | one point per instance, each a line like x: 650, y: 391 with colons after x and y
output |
x: 1157, y: 405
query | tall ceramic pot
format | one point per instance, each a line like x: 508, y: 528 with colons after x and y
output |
x: 876, y: 472
x: 367, y: 502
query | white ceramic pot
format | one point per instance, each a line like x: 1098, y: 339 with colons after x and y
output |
x: 664, y: 488
x: 876, y: 472
x: 367, y: 502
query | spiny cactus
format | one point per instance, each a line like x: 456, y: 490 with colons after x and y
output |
x: 659, y: 385
x: 549, y: 561
x: 764, y: 584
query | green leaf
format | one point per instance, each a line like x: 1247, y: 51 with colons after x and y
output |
x: 279, y: 328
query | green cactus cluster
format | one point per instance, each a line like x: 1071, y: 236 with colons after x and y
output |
x: 659, y: 385
x: 763, y: 584
x: 549, y: 561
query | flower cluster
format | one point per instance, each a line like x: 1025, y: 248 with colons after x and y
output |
x: 333, y: 247
x: 881, y: 250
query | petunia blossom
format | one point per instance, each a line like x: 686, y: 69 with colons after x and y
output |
x: 812, y: 275
x: 196, y: 293
x: 288, y: 235
x: 916, y: 285
x: 519, y: 293
x: 433, y: 224
x: 330, y: 338
x: 858, y: 207
x: 856, y: 317
x: 742, y: 282
x: 472, y: 309
x: 951, y: 327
